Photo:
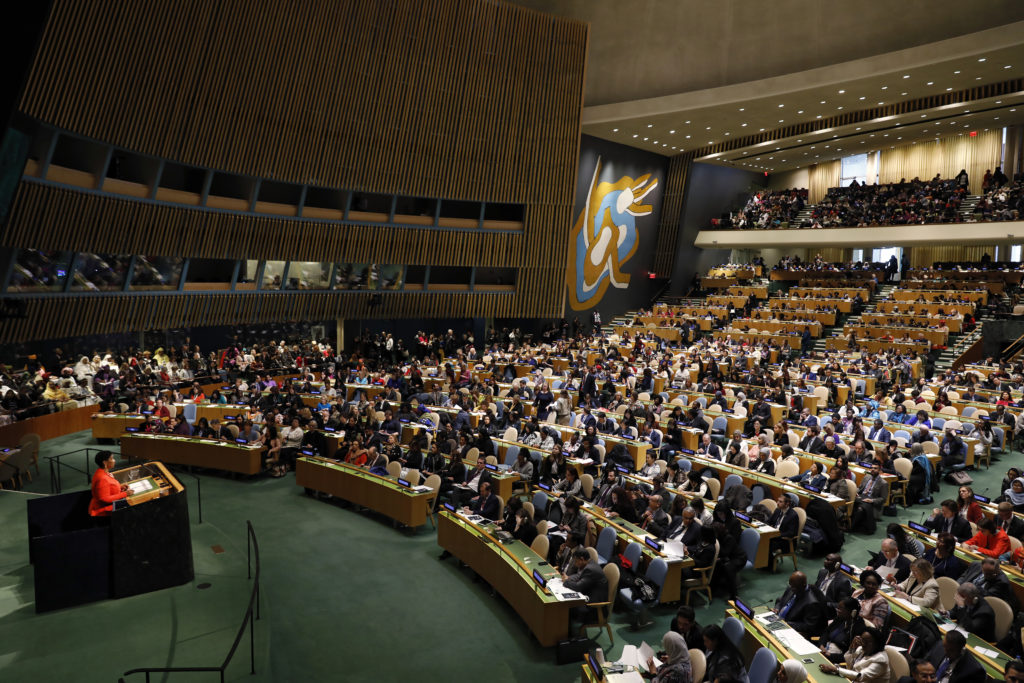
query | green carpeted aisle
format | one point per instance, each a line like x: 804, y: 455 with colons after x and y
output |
x: 345, y: 596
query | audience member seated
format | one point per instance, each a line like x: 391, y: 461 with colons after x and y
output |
x: 802, y: 606
x: 866, y: 660
x: 841, y: 631
x: 946, y: 519
x: 973, y: 614
x: 920, y: 588
x: 873, y: 605
x: 943, y: 559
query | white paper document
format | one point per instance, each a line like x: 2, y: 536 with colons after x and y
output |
x: 562, y: 593
x: 140, y: 486
x: 628, y: 677
x: 885, y: 572
x: 674, y: 548
x: 645, y: 653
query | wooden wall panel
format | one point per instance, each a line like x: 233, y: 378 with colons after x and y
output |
x: 457, y: 98
x: 671, y: 213
x: 924, y: 257
x: 462, y: 99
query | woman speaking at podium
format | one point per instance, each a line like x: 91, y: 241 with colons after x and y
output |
x: 105, y: 489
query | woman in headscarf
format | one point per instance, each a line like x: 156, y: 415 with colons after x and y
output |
x: 675, y: 667
x: 791, y: 671
x: 1015, y: 494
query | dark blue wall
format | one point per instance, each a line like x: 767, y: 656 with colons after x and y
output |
x: 710, y: 191
x: 617, y: 161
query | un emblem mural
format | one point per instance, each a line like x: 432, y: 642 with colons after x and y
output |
x: 605, y: 237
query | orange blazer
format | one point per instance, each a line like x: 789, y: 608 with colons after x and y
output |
x: 105, y: 490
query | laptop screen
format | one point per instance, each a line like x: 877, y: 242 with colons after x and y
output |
x: 744, y: 609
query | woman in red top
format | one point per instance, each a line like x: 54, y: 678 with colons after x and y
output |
x: 968, y: 507
x: 105, y: 489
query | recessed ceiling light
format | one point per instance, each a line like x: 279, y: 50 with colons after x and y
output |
x: 743, y: 125
x: 781, y: 106
x: 841, y: 92
x: 727, y: 133
x: 655, y: 142
x: 857, y: 128
x: 801, y: 111
x: 687, y: 121
x: 948, y: 89
x: 671, y: 132
x: 650, y: 125
x: 838, y: 107
x: 863, y: 97
x: 996, y: 118
x: 746, y: 152
x: 708, y: 128
x: 615, y: 130
x: 924, y: 116
x: 645, y: 139
x: 903, y: 93
x: 881, y: 103
x: 780, y: 120
x: 673, y: 146
x: 687, y: 137
x: 931, y: 82
x: 885, y: 87
x: 711, y: 142
x: 742, y: 109
x: 999, y: 101
x: 981, y: 59
x: 906, y: 75
x: 978, y: 78
x: 956, y: 72
x: 634, y: 134
x: 761, y: 130
x: 818, y: 116
x: 1008, y: 67
x: 1014, y: 109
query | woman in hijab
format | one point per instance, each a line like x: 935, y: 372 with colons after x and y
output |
x: 791, y: 671
x: 1015, y: 494
x: 675, y: 668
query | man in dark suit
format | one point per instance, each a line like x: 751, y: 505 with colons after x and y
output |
x: 808, y: 420
x: 688, y: 531
x: 879, y: 432
x: 871, y: 497
x: 991, y: 581
x: 949, y: 521
x: 588, y: 384
x: 953, y: 663
x: 974, y: 614
x: 921, y: 671
x: 1008, y: 522
x: 891, y: 557
x: 486, y: 504
x: 590, y: 580
x: 802, y: 606
x: 709, y: 449
x: 833, y: 583
x: 786, y: 521
x: 812, y: 441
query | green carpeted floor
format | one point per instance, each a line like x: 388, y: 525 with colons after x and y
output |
x: 345, y: 596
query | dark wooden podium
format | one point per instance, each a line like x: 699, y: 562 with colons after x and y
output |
x: 143, y: 546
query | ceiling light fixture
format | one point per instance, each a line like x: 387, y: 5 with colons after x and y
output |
x: 671, y: 132
x: 981, y: 59
x: 615, y: 130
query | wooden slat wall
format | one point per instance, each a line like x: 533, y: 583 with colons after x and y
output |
x: 461, y: 99
x: 671, y: 213
x: 832, y: 254
x: 921, y: 257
